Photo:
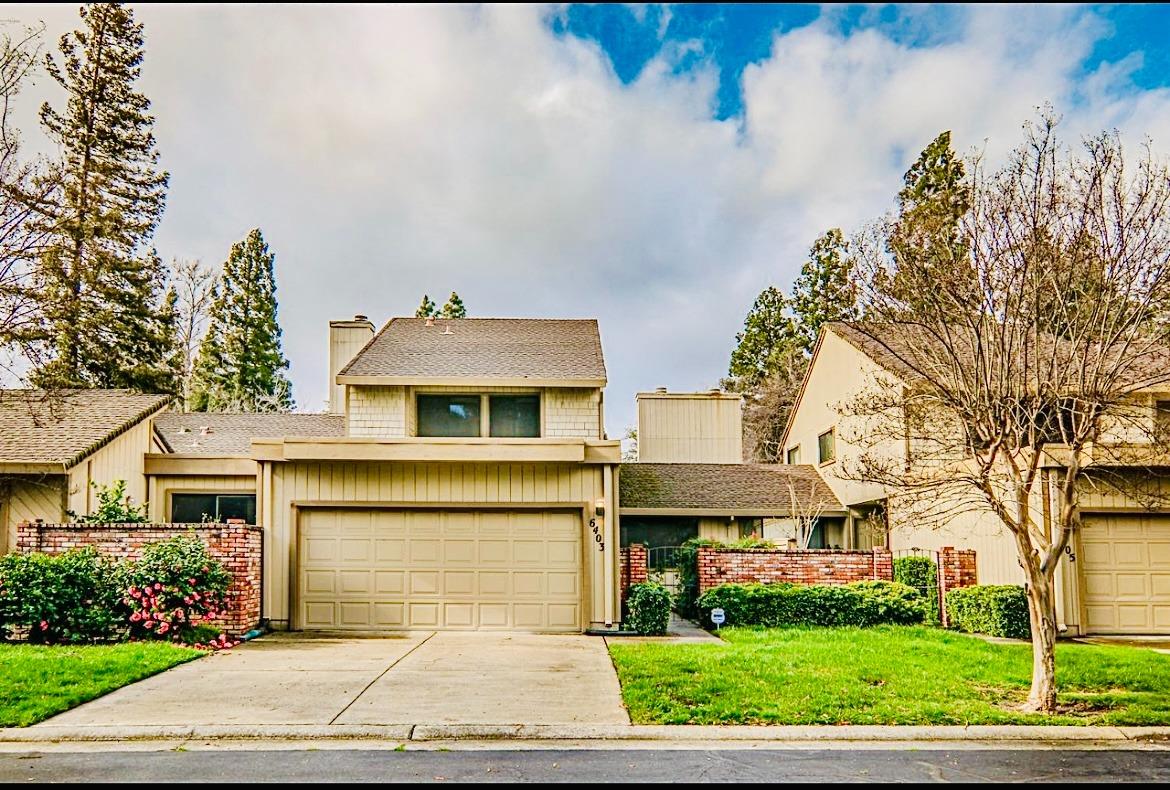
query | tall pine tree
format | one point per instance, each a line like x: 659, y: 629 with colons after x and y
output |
x: 240, y: 364
x: 426, y: 308
x: 825, y: 290
x: 454, y: 307
x: 107, y: 319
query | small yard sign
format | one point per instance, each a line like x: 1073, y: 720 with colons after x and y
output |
x: 718, y: 617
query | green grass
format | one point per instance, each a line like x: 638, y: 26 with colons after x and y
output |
x: 37, y: 682
x: 883, y: 675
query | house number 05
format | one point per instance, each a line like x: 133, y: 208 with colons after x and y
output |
x: 597, y: 538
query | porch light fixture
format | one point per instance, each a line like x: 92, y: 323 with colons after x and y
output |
x: 599, y: 507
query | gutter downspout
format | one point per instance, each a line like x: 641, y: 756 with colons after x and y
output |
x: 610, y: 547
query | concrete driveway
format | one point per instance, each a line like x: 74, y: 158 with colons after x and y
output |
x: 426, y: 678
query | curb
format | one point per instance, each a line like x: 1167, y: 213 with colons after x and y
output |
x: 578, y: 733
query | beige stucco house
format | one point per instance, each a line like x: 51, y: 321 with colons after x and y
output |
x: 1116, y: 577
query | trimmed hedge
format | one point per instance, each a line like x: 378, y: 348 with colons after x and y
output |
x: 69, y: 598
x: 992, y: 609
x: 648, y: 604
x: 780, y: 605
x: 921, y: 573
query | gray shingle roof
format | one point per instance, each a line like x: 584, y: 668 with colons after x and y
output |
x: 232, y: 434
x: 64, y: 426
x: 484, y: 348
x: 728, y: 487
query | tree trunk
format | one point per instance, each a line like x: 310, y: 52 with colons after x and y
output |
x: 1042, y: 608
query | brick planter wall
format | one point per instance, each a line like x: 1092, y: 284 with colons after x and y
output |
x: 237, y: 546
x: 799, y: 566
x: 635, y: 567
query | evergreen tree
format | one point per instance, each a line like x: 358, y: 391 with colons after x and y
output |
x: 925, y: 235
x: 768, y: 334
x: 454, y: 307
x: 426, y: 309
x: 825, y: 289
x: 240, y: 362
x: 101, y: 286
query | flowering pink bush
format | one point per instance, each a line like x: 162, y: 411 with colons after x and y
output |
x: 176, y: 588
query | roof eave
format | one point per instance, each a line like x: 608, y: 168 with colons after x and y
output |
x: 754, y: 512
x: 466, y: 381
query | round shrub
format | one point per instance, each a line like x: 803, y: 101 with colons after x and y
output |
x: 648, y: 604
x: 921, y: 573
x: 176, y: 586
x: 992, y: 609
x: 68, y: 598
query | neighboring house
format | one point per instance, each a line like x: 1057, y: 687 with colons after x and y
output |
x: 1116, y: 578
x: 690, y: 480
x: 56, y: 447
x: 666, y: 504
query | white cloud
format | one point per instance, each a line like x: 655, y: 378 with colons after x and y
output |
x: 388, y: 151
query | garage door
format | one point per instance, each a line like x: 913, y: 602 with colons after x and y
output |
x: 402, y: 569
x: 1127, y: 574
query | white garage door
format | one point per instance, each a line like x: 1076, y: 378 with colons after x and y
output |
x: 1127, y: 574
x: 403, y: 569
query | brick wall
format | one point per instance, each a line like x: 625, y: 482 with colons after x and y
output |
x: 635, y: 567
x: 808, y: 566
x: 237, y: 546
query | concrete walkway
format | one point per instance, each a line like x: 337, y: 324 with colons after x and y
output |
x: 439, y: 678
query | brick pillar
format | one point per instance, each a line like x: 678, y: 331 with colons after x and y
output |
x: 956, y: 568
x: 635, y: 567
x: 883, y: 564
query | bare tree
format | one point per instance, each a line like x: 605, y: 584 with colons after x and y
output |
x: 806, y: 507
x: 1027, y: 362
x: 193, y: 284
x: 27, y: 190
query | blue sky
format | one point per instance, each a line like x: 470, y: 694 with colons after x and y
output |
x: 652, y: 167
x: 731, y: 36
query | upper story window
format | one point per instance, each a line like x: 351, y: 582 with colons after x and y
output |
x: 499, y: 416
x: 514, y: 416
x: 793, y: 456
x: 827, y: 447
x: 449, y: 415
x: 1162, y: 417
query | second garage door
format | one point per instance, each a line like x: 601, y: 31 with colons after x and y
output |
x: 1126, y: 567
x: 423, y: 569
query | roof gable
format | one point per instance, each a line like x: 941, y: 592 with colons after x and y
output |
x: 511, y: 349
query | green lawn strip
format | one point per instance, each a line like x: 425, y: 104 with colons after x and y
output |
x: 882, y: 675
x: 37, y: 682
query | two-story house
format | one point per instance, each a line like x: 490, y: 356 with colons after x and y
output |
x: 1116, y: 575
x: 462, y: 478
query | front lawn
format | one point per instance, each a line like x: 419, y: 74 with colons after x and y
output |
x: 881, y: 675
x: 37, y: 681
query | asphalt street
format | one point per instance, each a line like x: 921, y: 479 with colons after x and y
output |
x: 622, y: 766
